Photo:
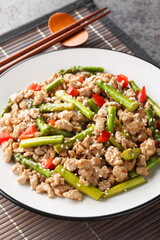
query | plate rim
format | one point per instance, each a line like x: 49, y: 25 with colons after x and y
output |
x: 69, y: 218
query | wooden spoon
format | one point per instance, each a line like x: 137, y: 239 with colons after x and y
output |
x: 60, y: 20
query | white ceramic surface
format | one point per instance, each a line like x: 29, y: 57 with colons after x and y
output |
x: 43, y: 66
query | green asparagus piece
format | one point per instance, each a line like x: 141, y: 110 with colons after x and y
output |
x: 152, y: 125
x: 154, y: 105
x: 131, y: 153
x: 107, y: 144
x: 117, y: 96
x: 118, y: 123
x: 54, y: 84
x: 115, y: 143
x: 68, y: 98
x: 150, y: 164
x: 56, y: 107
x: 124, y: 186
x: 93, y: 105
x: 74, y: 70
x: 34, y: 142
x: 7, y: 109
x: 111, y: 118
x: 69, y: 143
x: 29, y: 162
x: 46, y: 129
x: 73, y: 180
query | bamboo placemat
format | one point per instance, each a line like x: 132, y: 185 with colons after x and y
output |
x: 17, y: 223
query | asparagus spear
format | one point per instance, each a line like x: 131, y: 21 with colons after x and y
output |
x: 111, y: 118
x: 7, y: 109
x: 29, y: 162
x: 93, y: 105
x: 117, y: 96
x: 68, y: 98
x: 150, y: 164
x: 69, y: 143
x: 74, y: 70
x: 34, y: 142
x: 73, y: 180
x: 118, y: 123
x: 115, y: 143
x: 46, y: 129
x: 155, y: 107
x: 131, y: 153
x: 152, y: 125
x: 54, y: 84
x: 56, y: 107
x: 124, y: 186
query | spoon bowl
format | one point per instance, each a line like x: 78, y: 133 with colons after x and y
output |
x: 61, y: 20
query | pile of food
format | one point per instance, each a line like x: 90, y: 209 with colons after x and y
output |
x: 81, y: 131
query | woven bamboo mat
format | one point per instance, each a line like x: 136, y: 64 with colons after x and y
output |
x: 17, y: 223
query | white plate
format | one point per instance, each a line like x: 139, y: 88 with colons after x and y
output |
x: 37, y: 69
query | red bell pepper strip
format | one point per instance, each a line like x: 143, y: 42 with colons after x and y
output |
x: 104, y: 136
x: 48, y: 163
x: 98, y: 100
x: 52, y: 122
x: 27, y: 133
x: 72, y: 91
x: 4, y: 137
x: 123, y: 78
x: 34, y: 87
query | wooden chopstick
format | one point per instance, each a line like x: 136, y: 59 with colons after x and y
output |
x: 50, y: 37
x: 49, y: 43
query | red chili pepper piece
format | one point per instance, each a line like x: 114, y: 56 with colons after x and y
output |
x: 52, y: 122
x: 123, y: 78
x: 27, y: 133
x: 48, y: 163
x: 4, y: 137
x: 143, y: 95
x: 98, y: 100
x: 159, y: 124
x: 80, y: 79
x: 72, y: 91
x: 34, y: 87
x: 103, y: 137
x: 156, y: 144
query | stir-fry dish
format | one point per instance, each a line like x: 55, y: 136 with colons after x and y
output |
x: 81, y: 131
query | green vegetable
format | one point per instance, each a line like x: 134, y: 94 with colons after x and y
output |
x: 46, y: 129
x: 74, y: 70
x: 7, y: 109
x: 34, y: 142
x: 150, y: 164
x: 115, y: 143
x: 155, y: 107
x: 111, y: 118
x: 54, y: 84
x: 117, y: 96
x: 93, y: 105
x: 131, y: 153
x: 118, y: 123
x: 68, y: 98
x: 152, y: 125
x: 107, y: 144
x: 69, y: 143
x: 29, y: 162
x: 124, y: 186
x: 56, y: 107
x: 73, y: 180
